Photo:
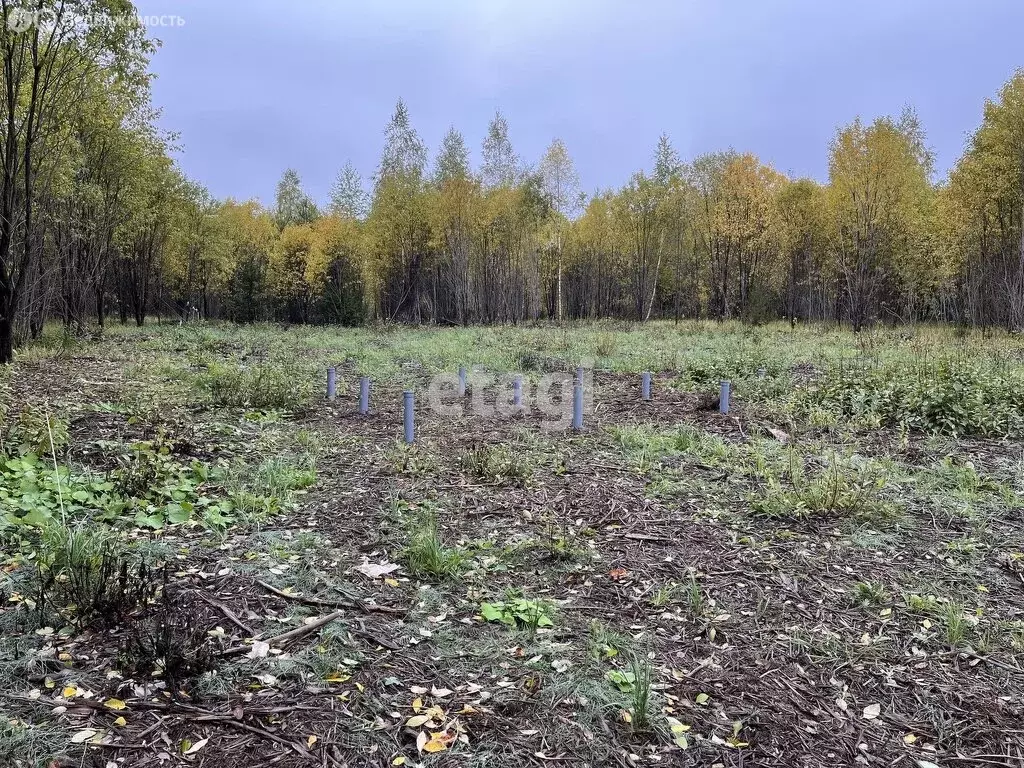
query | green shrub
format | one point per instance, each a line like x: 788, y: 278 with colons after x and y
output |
x: 34, y: 430
x: 262, y: 386
x: 949, y: 397
x: 85, y: 569
x: 496, y: 464
x: 840, y: 489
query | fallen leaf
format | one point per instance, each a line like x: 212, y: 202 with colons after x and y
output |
x: 376, y: 570
x: 259, y: 650
x: 400, y: 760
x: 115, y: 704
x: 872, y: 711
x: 416, y: 721
x: 83, y: 735
x: 311, y: 741
x: 435, y: 745
x: 195, y: 747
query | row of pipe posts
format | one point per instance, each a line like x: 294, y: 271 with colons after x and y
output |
x: 409, y: 398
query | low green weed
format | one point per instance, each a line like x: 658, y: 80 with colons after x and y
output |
x: 496, y: 464
x: 520, y: 612
x: 264, y: 385
x: 426, y: 554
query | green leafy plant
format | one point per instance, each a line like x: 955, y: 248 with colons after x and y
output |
x: 270, y: 487
x: 34, y: 431
x: 867, y: 593
x: 664, y: 595
x: 925, y: 605
x: 411, y: 460
x: 521, y: 612
x: 604, y: 643
x: 34, y: 492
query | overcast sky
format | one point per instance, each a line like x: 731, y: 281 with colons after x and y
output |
x: 256, y: 86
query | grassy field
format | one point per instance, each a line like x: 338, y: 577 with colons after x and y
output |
x: 206, y: 562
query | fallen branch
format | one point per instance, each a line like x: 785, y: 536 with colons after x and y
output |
x: 229, y: 721
x: 287, y: 637
x: 317, y: 602
x: 228, y: 613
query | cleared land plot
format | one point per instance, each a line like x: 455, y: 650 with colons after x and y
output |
x: 833, y: 574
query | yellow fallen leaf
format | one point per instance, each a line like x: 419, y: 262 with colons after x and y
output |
x: 115, y: 704
x: 398, y: 761
x: 311, y: 741
x: 120, y: 722
x: 393, y: 583
x: 417, y: 704
x: 69, y: 692
x: 435, y: 745
x: 416, y: 721
x: 626, y: 717
x: 909, y: 738
x: 361, y: 687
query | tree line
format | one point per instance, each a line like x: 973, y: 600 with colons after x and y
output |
x: 97, y: 220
